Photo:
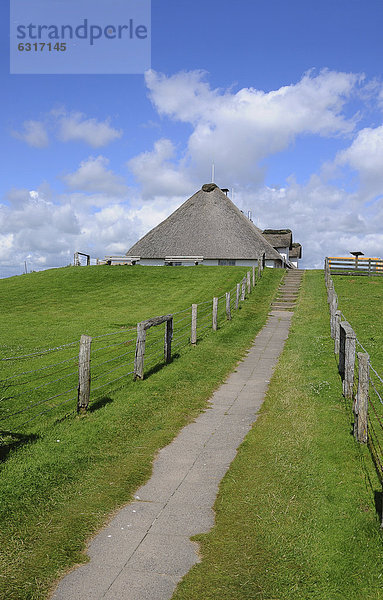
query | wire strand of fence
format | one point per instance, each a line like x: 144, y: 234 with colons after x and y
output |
x: 39, y: 387
x: 183, y: 318
x: 180, y: 337
x: 376, y: 391
x: 373, y: 442
x: 376, y: 414
x: 110, y: 382
x: 180, y: 311
x: 46, y: 411
x: 95, y: 365
x: 36, y: 404
x: 121, y: 331
x: 377, y: 374
x: 110, y: 371
x: 38, y: 370
x: 187, y: 326
x: 113, y: 346
x: 40, y: 352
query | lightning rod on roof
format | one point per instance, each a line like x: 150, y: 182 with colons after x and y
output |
x: 212, y: 173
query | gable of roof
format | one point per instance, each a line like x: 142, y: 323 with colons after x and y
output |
x: 208, y: 224
x: 296, y: 251
x: 279, y: 238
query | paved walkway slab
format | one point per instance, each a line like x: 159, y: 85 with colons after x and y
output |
x: 145, y: 550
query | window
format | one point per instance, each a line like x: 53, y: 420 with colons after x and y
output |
x: 226, y: 263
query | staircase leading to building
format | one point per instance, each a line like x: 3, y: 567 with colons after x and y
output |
x: 288, y: 291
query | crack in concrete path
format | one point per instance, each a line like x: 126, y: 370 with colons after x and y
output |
x: 146, y: 549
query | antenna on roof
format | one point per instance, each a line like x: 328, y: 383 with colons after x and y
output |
x: 212, y: 173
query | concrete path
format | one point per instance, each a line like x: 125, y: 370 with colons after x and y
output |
x: 145, y: 551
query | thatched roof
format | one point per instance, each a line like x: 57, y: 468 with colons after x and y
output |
x: 296, y: 251
x: 208, y: 225
x: 279, y: 238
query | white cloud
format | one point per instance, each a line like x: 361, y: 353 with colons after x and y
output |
x: 237, y: 131
x: 365, y: 155
x: 157, y: 175
x: 76, y: 127
x: 34, y: 133
x: 93, y: 176
x: 68, y: 127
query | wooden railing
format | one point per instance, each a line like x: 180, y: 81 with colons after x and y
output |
x: 339, y: 265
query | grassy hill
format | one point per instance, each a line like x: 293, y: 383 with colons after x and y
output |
x: 61, y: 475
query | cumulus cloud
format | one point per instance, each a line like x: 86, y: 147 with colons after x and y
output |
x: 68, y: 127
x: 33, y: 133
x: 237, y: 131
x: 365, y: 156
x: 76, y: 127
x: 93, y: 176
x: 157, y: 175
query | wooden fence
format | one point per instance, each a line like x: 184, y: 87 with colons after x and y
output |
x: 361, y: 265
x: 361, y: 383
x: 41, y: 381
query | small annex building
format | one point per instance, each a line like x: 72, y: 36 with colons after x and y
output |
x: 207, y: 229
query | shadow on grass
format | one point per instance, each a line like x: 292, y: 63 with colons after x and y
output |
x: 10, y: 441
x: 160, y: 365
x: 99, y: 403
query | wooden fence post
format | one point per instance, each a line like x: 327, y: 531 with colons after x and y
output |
x: 361, y: 401
x: 140, y: 352
x: 333, y: 309
x: 83, y: 394
x: 76, y: 261
x: 347, y: 357
x: 259, y: 267
x: 248, y: 281
x: 215, y: 313
x: 337, y: 319
x: 237, y: 296
x: 253, y: 275
x: 193, y: 337
x: 228, y: 311
x: 243, y: 290
x: 168, y: 340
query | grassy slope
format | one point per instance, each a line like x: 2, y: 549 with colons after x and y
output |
x: 360, y: 299
x: 54, y: 494
x: 295, y: 514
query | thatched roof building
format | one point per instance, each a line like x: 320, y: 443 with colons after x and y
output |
x: 209, y: 229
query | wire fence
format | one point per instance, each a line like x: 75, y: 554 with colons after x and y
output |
x: 45, y: 381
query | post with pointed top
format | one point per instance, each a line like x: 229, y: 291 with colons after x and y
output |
x: 193, y: 337
x: 237, y: 296
x: 83, y: 390
x: 248, y: 283
x: 228, y: 311
x: 215, y: 313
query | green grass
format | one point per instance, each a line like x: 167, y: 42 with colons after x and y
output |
x: 296, y: 516
x: 360, y: 299
x: 59, y: 488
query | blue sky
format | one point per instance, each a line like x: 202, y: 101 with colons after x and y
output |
x: 284, y: 97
